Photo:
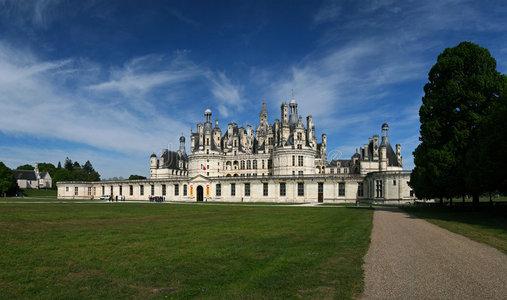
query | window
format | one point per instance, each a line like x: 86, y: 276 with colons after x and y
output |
x: 263, y: 163
x: 121, y: 190
x: 341, y: 189
x: 163, y: 189
x: 152, y: 190
x: 293, y: 160
x: 300, y: 146
x: 75, y: 190
x: 248, y: 164
x: 282, y: 188
x: 394, y: 182
x: 378, y: 184
x: 207, y: 141
x: 66, y: 188
x: 265, y: 189
x: 103, y: 190
x: 219, y: 189
x: 94, y: 190
x: 331, y: 171
x: 254, y: 163
x: 270, y: 163
x: 131, y: 190
x: 184, y: 190
x: 233, y: 189
x: 247, y: 189
x: 141, y: 190
x: 360, y: 189
x: 300, y: 136
x: 300, y: 160
x: 111, y: 190
x: 301, y: 189
x: 176, y: 190
x: 300, y: 173
x: 242, y: 164
x: 89, y: 191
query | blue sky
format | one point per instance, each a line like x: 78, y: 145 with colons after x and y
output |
x: 114, y: 81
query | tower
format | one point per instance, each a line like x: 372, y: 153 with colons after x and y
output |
x: 182, y: 144
x: 385, y: 134
x: 284, y: 108
x: 293, y: 112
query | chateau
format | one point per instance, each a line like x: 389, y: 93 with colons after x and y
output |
x: 279, y: 162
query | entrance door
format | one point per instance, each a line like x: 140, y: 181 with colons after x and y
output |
x: 199, y: 193
x: 321, y: 192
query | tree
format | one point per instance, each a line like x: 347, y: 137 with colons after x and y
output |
x: 68, y: 164
x: 90, y: 171
x: 8, y: 184
x: 62, y: 175
x: 463, y: 86
x: 25, y: 167
x: 47, y: 167
x: 136, y: 177
x: 59, y: 165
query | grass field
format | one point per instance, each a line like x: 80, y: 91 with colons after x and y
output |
x: 38, y: 193
x: 484, y: 225
x: 181, y: 251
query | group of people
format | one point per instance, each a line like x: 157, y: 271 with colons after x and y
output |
x: 115, y: 199
x: 157, y: 199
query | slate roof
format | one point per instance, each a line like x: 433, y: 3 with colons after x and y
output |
x: 24, y: 174
x: 392, y: 160
x: 171, y: 159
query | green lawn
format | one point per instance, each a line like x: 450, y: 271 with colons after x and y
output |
x: 38, y: 193
x: 181, y: 251
x: 484, y: 225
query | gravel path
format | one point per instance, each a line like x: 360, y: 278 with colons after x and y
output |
x: 410, y: 258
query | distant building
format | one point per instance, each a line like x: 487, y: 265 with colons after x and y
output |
x: 279, y: 162
x: 33, y: 179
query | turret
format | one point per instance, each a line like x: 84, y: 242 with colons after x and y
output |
x: 323, y: 147
x: 383, y: 157
x: 263, y: 116
x: 153, y: 161
x: 398, y: 153
x: 385, y: 134
x: 207, y: 116
x: 182, y: 144
x: 309, y: 126
x: 293, y: 112
x: 284, y: 113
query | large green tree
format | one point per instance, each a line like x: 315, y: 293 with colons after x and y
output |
x: 25, y: 167
x: 8, y: 184
x: 463, y: 87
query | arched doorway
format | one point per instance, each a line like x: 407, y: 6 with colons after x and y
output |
x: 199, y: 193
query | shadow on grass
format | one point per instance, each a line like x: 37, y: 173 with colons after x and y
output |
x: 487, y: 217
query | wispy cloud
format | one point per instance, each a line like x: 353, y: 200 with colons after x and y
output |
x: 227, y: 94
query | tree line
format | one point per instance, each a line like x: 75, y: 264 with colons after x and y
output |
x: 71, y: 171
x: 463, y: 132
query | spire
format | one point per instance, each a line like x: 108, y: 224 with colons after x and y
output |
x: 263, y: 116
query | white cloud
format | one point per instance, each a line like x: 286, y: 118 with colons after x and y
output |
x: 35, y: 103
x: 227, y: 94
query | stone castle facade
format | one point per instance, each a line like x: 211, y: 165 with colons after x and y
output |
x: 278, y: 162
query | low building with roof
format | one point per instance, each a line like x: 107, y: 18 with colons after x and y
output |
x: 33, y: 179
